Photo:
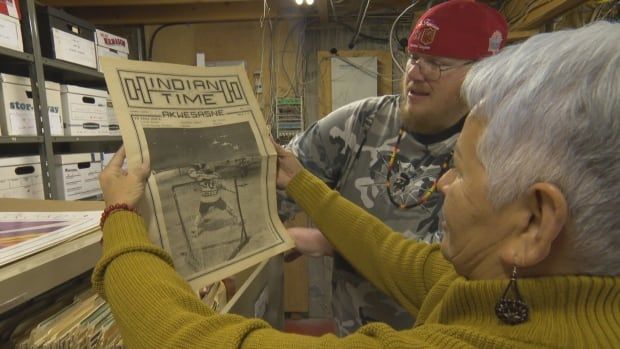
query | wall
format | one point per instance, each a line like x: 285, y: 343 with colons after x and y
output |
x: 338, y: 36
x: 226, y: 41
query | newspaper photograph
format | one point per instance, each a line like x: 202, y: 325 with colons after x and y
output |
x: 211, y: 199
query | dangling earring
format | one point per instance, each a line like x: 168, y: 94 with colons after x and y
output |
x: 512, y: 311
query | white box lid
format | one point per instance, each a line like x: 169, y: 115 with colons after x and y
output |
x: 25, y: 81
x: 111, y: 41
x: 82, y: 91
x: 15, y: 79
x: 51, y: 85
x: 21, y: 160
x: 66, y: 159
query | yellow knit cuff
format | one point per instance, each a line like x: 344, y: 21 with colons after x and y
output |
x: 124, y: 232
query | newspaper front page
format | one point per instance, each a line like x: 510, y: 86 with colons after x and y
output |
x: 211, y: 199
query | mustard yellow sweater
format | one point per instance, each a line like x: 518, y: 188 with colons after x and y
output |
x: 155, y: 308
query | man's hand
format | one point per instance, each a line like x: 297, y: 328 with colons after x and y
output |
x: 311, y: 242
x: 120, y: 186
x: 288, y: 166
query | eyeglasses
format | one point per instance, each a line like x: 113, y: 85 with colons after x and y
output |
x: 431, y: 70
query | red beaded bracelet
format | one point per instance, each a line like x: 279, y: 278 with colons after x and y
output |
x: 112, y: 208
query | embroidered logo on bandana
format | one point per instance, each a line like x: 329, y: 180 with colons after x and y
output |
x: 495, y: 42
x: 427, y: 36
x: 427, y: 32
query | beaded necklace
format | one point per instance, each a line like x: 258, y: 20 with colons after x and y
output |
x: 427, y: 193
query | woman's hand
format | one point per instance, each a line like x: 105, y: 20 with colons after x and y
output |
x: 288, y: 166
x: 120, y: 186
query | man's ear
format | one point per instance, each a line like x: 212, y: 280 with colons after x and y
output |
x: 548, y: 214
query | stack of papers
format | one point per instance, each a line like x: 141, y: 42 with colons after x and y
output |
x: 87, y: 323
x: 25, y: 233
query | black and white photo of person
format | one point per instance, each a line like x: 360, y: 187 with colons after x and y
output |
x: 208, y: 180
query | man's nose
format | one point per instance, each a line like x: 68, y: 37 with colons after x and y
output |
x: 414, y: 72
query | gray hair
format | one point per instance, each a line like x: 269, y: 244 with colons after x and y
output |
x: 552, y: 107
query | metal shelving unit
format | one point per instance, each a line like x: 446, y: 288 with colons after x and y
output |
x: 32, y: 63
x: 77, y: 139
x: 7, y: 54
x: 21, y: 139
x: 72, y: 73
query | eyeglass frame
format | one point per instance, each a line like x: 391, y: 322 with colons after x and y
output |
x: 440, y: 68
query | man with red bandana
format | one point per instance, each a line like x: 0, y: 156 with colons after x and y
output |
x: 386, y: 153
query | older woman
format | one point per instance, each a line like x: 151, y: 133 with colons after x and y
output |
x: 532, y: 231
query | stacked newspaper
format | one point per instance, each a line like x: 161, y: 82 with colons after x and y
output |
x: 25, y: 233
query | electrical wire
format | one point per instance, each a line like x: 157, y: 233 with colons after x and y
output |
x: 360, y: 22
x: 366, y: 70
x: 262, y: 50
x: 331, y: 3
x: 149, y: 56
x: 284, y: 70
x: 360, y: 34
x: 402, y: 70
x: 266, y: 10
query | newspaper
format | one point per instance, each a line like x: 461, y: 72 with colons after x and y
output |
x: 25, y: 233
x: 211, y: 196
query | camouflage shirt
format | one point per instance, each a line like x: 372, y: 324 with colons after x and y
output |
x: 350, y: 150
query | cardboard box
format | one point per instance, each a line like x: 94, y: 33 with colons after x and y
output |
x: 10, y: 8
x: 66, y: 37
x: 11, y: 33
x: 113, y: 128
x: 17, y: 116
x: 20, y: 178
x: 110, y: 45
x: 85, y: 111
x: 54, y: 107
x: 77, y: 175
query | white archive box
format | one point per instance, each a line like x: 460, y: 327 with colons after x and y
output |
x: 54, y: 107
x: 85, y: 111
x: 110, y: 45
x: 11, y: 33
x: 66, y: 37
x: 20, y: 178
x: 77, y: 175
x: 113, y: 128
x: 17, y: 117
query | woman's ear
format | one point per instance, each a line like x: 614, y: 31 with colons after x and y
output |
x: 548, y: 214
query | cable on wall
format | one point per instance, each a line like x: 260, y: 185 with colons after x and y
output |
x: 402, y: 70
x: 360, y: 20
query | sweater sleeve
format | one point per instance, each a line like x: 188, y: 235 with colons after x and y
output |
x: 155, y: 308
x: 402, y: 268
